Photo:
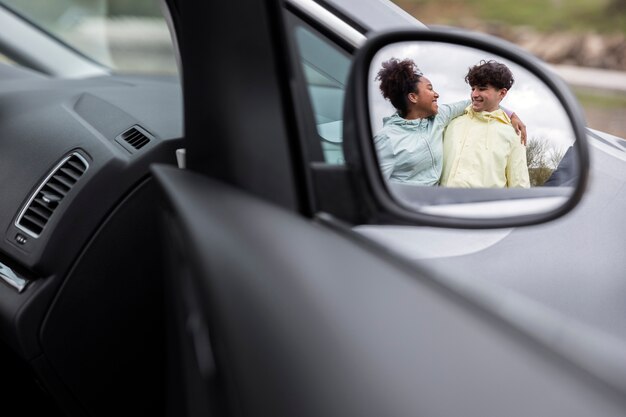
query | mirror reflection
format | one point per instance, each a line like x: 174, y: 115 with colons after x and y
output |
x: 452, y: 117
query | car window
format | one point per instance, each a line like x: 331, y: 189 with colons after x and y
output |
x: 128, y: 37
x: 325, y: 68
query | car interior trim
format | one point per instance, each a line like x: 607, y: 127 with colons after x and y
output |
x: 53, y: 172
x: 330, y: 21
x: 134, y: 138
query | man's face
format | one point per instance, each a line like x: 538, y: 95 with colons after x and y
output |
x: 486, y: 97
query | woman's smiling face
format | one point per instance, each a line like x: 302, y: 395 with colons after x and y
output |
x: 426, y: 98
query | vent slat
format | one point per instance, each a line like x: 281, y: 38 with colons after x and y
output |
x: 77, y: 165
x: 39, y: 202
x: 65, y: 179
x: 41, y: 210
x: 72, y: 173
x: 33, y: 227
x: 135, y: 138
x: 56, y: 187
x: 35, y: 216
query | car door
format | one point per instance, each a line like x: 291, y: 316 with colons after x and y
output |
x: 277, y: 308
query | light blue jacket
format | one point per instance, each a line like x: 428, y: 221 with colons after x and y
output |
x: 411, y: 151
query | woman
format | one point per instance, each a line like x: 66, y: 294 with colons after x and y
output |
x: 410, y: 144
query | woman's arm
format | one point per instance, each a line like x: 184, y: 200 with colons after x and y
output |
x: 453, y: 110
x: 518, y: 125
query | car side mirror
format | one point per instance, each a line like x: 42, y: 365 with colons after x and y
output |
x: 425, y: 146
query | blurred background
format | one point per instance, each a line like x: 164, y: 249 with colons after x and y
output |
x: 127, y: 36
x: 585, y: 41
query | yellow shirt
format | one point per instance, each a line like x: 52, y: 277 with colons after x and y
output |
x: 482, y: 150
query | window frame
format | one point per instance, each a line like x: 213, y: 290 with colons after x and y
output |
x: 307, y: 123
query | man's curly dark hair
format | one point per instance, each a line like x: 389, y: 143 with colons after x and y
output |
x: 397, y: 79
x: 490, y: 73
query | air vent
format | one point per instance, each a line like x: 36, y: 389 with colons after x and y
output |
x: 50, y: 193
x: 134, y: 138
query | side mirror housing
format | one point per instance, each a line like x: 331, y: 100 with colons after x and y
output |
x: 473, y: 180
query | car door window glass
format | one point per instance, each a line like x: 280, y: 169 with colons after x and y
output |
x: 128, y: 37
x: 325, y: 69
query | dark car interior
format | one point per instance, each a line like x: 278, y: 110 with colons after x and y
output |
x: 235, y: 287
x: 80, y: 249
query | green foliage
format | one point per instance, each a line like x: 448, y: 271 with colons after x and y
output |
x: 601, y: 99
x: 538, y: 176
x: 544, y: 15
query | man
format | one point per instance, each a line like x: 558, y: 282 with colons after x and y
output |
x: 480, y: 148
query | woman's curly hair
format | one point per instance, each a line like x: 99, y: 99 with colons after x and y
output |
x: 490, y: 73
x: 397, y: 79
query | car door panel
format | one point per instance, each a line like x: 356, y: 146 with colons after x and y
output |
x: 305, y: 320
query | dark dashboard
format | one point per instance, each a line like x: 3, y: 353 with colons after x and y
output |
x: 78, y: 240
